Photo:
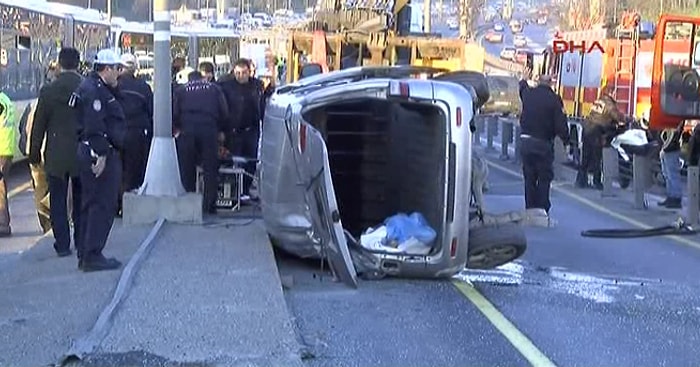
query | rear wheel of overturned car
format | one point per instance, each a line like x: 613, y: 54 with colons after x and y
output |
x: 493, y: 246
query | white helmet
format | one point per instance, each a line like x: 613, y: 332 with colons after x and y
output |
x: 182, y: 76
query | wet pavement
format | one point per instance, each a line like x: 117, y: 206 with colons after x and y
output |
x: 569, y: 301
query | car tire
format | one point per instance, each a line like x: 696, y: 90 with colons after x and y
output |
x: 495, y: 245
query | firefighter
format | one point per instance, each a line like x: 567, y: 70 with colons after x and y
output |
x: 598, y: 129
x: 200, y: 114
x: 137, y: 103
x: 101, y: 127
x: 542, y: 119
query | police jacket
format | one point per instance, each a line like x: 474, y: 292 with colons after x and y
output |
x: 244, y: 101
x: 542, y: 115
x: 603, y: 119
x: 137, y: 102
x: 55, y: 121
x: 101, y: 120
x: 200, y: 104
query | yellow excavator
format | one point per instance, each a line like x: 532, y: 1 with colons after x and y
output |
x: 343, y: 36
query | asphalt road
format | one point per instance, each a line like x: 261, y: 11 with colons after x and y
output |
x: 570, y: 301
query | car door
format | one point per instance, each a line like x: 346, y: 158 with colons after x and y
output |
x: 320, y: 193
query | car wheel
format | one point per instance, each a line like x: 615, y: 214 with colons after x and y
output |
x: 493, y: 246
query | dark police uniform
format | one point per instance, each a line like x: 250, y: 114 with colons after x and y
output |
x: 598, y: 129
x: 542, y: 120
x: 200, y: 113
x: 137, y: 102
x: 101, y: 125
x: 244, y: 103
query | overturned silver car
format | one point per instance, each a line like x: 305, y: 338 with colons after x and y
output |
x: 343, y: 151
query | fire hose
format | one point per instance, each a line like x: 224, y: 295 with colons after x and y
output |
x: 678, y: 228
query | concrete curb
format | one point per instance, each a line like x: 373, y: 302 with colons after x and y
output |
x: 90, y: 342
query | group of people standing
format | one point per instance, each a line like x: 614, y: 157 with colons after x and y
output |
x: 90, y: 135
x: 543, y: 119
x: 210, y: 114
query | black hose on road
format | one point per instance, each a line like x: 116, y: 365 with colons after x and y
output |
x: 679, y: 229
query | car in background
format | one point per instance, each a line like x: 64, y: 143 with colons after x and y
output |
x: 453, y: 24
x: 542, y: 20
x: 508, y: 53
x: 494, y: 37
x: 520, y: 56
x: 519, y: 40
x: 498, y: 27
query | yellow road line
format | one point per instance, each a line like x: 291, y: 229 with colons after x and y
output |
x: 19, y: 189
x: 600, y: 208
x: 521, y: 342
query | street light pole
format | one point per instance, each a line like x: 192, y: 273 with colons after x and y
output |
x: 162, y: 172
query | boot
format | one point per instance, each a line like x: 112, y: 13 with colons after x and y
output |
x: 581, y: 180
x: 598, y: 181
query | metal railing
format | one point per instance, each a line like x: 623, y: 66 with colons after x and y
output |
x: 642, y: 174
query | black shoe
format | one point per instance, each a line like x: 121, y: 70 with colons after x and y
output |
x: 99, y: 264
x: 598, y: 186
x: 673, y: 203
x: 62, y: 252
x: 6, y: 233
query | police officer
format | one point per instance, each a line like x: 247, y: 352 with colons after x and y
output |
x: 137, y: 103
x: 244, y: 95
x: 54, y: 123
x: 200, y: 114
x: 599, y: 126
x: 101, y: 126
x: 542, y: 120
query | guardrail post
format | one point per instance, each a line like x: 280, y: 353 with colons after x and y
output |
x: 693, y: 195
x: 491, y: 131
x: 640, y: 180
x: 479, y: 122
x: 506, y: 138
x: 516, y: 142
x: 610, y: 170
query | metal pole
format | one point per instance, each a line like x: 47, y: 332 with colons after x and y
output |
x: 426, y: 16
x: 610, y: 170
x: 109, y: 9
x: 640, y: 172
x: 693, y: 195
x: 162, y: 172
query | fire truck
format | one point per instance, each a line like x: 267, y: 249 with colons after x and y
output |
x: 628, y: 64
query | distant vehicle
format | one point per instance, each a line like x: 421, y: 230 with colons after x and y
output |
x: 508, y: 53
x: 453, y: 24
x: 516, y: 27
x: 542, y: 20
x: 519, y: 40
x: 494, y: 37
x: 513, y: 23
x: 520, y: 56
x: 498, y: 27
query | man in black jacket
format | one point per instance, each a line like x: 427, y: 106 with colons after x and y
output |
x: 55, y: 121
x: 200, y: 114
x: 244, y: 95
x: 542, y: 120
x: 136, y: 98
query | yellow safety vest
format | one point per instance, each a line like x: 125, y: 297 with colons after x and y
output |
x: 8, y: 130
